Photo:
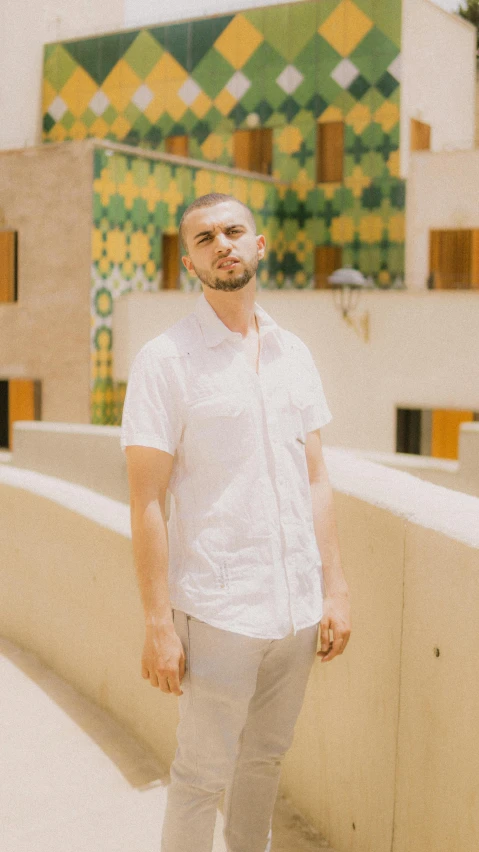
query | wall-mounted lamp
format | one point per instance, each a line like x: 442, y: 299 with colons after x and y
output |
x: 347, y: 284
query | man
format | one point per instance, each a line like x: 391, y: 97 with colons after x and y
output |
x: 224, y: 411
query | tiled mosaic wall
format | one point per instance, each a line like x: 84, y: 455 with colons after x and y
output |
x: 285, y: 67
x: 135, y: 199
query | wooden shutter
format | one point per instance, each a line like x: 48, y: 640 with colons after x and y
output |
x: 8, y: 266
x: 330, y: 152
x: 171, y: 261
x: 253, y: 150
x: 22, y: 403
x: 326, y: 260
x: 177, y: 145
x: 454, y: 259
x: 420, y: 135
x: 445, y: 432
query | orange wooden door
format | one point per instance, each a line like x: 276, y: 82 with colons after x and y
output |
x: 420, y: 135
x: 253, y: 150
x: 21, y: 403
x: 454, y: 259
x: 326, y: 260
x: 445, y: 432
x: 177, y: 145
x: 8, y: 255
x: 330, y: 152
x: 171, y: 261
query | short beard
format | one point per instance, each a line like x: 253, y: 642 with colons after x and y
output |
x: 234, y: 284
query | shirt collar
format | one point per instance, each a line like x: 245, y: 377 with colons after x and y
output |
x: 215, y: 331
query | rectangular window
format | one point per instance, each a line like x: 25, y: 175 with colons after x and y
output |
x: 253, y: 150
x: 177, y: 145
x: 420, y: 135
x: 8, y: 266
x: 326, y: 260
x: 454, y: 260
x: 20, y: 399
x: 330, y: 152
x: 171, y: 261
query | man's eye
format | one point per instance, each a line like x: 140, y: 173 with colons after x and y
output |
x: 204, y: 239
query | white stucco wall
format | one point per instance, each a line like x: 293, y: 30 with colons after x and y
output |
x: 439, y: 77
x: 423, y: 352
x: 442, y: 192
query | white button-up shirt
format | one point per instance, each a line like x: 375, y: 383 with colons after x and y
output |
x: 242, y: 550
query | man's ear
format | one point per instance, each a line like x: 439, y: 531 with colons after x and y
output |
x: 261, y: 243
x: 187, y: 263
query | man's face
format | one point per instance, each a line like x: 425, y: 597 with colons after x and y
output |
x: 223, y: 249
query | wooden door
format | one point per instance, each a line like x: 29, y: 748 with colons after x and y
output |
x: 23, y: 403
x: 171, y: 261
x: 330, y: 152
x: 420, y: 135
x: 454, y: 259
x: 177, y: 145
x: 326, y: 260
x: 253, y: 150
x: 8, y: 266
x: 445, y: 432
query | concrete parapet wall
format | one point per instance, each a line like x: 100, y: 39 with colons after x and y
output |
x: 385, y: 755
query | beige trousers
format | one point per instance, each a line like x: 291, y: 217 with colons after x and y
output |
x: 241, y: 699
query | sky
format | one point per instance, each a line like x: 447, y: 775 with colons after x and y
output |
x: 449, y: 5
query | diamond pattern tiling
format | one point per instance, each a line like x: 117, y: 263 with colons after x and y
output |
x: 99, y: 102
x: 345, y: 27
x: 289, y: 79
x: 238, y: 41
x: 189, y: 91
x: 238, y: 85
x: 143, y: 54
x: 142, y: 97
x: 57, y: 108
x: 395, y: 67
x: 345, y: 73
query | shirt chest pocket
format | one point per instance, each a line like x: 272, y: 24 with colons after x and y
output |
x: 219, y: 430
x: 293, y: 415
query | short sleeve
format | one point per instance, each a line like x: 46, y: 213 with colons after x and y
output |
x: 151, y: 413
x: 316, y: 414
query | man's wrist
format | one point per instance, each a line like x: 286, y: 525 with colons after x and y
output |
x: 159, y: 622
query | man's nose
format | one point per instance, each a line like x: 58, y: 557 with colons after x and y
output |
x: 222, y: 243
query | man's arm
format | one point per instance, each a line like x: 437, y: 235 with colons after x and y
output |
x: 149, y: 471
x: 336, y: 610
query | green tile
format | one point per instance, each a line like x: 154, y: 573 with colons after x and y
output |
x: 212, y: 73
x: 387, y: 16
x: 374, y: 54
x: 68, y: 120
x: 88, y: 118
x: 132, y: 113
x: 325, y: 9
x: 59, y: 67
x: 110, y: 114
x: 177, y: 41
x: 204, y: 33
x: 143, y: 54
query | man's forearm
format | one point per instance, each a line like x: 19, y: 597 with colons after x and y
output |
x: 150, y: 548
x: 327, y: 537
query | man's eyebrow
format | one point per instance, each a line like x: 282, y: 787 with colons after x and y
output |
x: 227, y: 228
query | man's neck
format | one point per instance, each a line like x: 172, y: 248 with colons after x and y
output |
x: 235, y: 309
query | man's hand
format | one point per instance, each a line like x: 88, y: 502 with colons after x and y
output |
x: 336, y: 618
x: 163, y: 660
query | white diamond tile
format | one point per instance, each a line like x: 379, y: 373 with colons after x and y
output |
x: 238, y: 85
x: 395, y: 67
x: 143, y: 96
x: 345, y: 73
x: 289, y: 79
x: 99, y: 102
x: 57, y: 108
x: 189, y: 91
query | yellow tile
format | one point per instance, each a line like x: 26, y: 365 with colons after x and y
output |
x: 212, y: 147
x: 105, y: 187
x: 78, y: 131
x: 394, y: 164
x: 222, y: 183
x: 139, y: 248
x: 203, y: 182
x: 99, y: 128
x: 78, y: 91
x: 342, y: 230
x: 238, y: 41
x: 96, y: 244
x: 359, y: 118
x: 332, y: 113
x: 121, y: 84
x: 173, y: 197
x: 166, y: 100
x: 289, y: 140
x: 48, y: 95
x: 257, y: 195
x: 151, y: 194
x: 304, y: 184
x: 116, y: 246
x: 120, y: 127
x: 384, y: 276
x: 357, y: 181
x: 345, y: 27
x: 387, y: 115
x: 396, y: 228
x: 371, y: 228
x: 128, y: 190
x: 329, y: 190
x: 201, y: 105
x: 224, y: 102
x: 57, y: 133
x: 240, y: 189
x: 167, y: 68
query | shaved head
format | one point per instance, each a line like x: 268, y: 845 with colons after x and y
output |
x: 211, y: 200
